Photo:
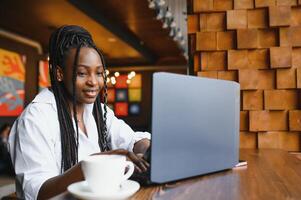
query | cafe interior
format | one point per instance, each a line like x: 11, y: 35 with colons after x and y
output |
x: 256, y: 43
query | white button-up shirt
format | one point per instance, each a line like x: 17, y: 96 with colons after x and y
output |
x: 35, y: 142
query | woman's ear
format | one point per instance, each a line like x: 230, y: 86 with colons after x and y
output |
x: 59, y: 74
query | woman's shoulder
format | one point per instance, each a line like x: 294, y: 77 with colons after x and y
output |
x: 42, y: 105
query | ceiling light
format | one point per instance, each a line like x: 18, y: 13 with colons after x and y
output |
x: 182, y: 42
x: 128, y: 81
x: 172, y: 32
x: 116, y: 74
x: 161, y: 2
x: 173, y: 24
x: 165, y: 25
x: 175, y: 38
x: 133, y: 73
x: 151, y: 4
x: 160, y: 15
x: 107, y: 72
x: 168, y: 13
x: 179, y: 33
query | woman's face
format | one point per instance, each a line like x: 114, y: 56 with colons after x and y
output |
x: 89, y: 74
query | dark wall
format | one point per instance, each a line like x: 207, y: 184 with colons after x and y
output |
x: 31, y: 70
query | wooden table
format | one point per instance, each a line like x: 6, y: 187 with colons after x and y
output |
x: 270, y: 174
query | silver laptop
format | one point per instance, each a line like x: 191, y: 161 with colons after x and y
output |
x: 195, y: 126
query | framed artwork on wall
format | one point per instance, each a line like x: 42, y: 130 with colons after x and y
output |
x: 125, y: 94
x: 44, y: 79
x: 12, y: 78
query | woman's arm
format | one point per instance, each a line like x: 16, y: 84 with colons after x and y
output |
x: 59, y: 184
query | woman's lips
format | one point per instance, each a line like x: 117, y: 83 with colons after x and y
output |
x: 91, y: 93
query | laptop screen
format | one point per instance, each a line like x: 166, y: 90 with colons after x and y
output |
x: 195, y: 126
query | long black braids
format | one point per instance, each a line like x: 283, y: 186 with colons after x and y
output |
x: 61, y: 41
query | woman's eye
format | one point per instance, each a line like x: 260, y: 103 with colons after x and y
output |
x: 81, y: 74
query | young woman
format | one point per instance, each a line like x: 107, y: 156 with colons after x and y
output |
x: 69, y: 121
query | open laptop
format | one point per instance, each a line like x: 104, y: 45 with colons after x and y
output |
x: 195, y: 127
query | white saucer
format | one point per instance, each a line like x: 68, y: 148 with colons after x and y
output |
x: 82, y: 191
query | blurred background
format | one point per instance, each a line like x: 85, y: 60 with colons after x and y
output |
x: 254, y: 42
x: 137, y: 37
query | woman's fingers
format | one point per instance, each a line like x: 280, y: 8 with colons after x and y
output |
x: 139, y: 162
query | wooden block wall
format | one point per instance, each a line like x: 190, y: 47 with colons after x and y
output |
x: 258, y: 44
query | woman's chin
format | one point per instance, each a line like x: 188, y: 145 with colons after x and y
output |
x: 88, y: 100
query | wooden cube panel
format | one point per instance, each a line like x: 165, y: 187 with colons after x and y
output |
x: 228, y: 75
x: 258, y: 18
x: 248, y: 140
x: 247, y: 38
x: 295, y: 120
x: 244, y: 121
x: 226, y: 40
x: 192, y: 42
x: 203, y: 22
x: 196, y: 62
x: 281, y: 57
x: 268, y: 120
x: 243, y: 4
x: 211, y: 61
x: 208, y: 74
x: 289, y: 141
x: 205, y: 41
x: 296, y: 57
x: 252, y: 100
x: 264, y: 3
x: 295, y: 33
x: 296, y: 16
x: 286, y: 2
x: 256, y: 79
x: 237, y: 59
x: 222, y: 5
x: 299, y: 78
x: 236, y: 19
x: 258, y: 59
x: 285, y: 37
x: 202, y: 5
x: 280, y: 99
x: 213, y: 22
x: 286, y: 78
x: 280, y: 15
x: 192, y: 23
x: 267, y: 38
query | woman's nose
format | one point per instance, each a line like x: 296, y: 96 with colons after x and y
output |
x: 92, y: 80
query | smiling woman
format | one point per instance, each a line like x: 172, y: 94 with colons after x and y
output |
x: 89, y: 75
x: 69, y: 121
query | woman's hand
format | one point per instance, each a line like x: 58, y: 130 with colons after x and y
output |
x: 140, y: 164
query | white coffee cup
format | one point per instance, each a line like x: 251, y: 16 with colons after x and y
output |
x: 105, y: 173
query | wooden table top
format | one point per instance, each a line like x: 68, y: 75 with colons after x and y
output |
x: 270, y: 174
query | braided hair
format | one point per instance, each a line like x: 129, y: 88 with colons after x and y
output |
x: 61, y: 41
